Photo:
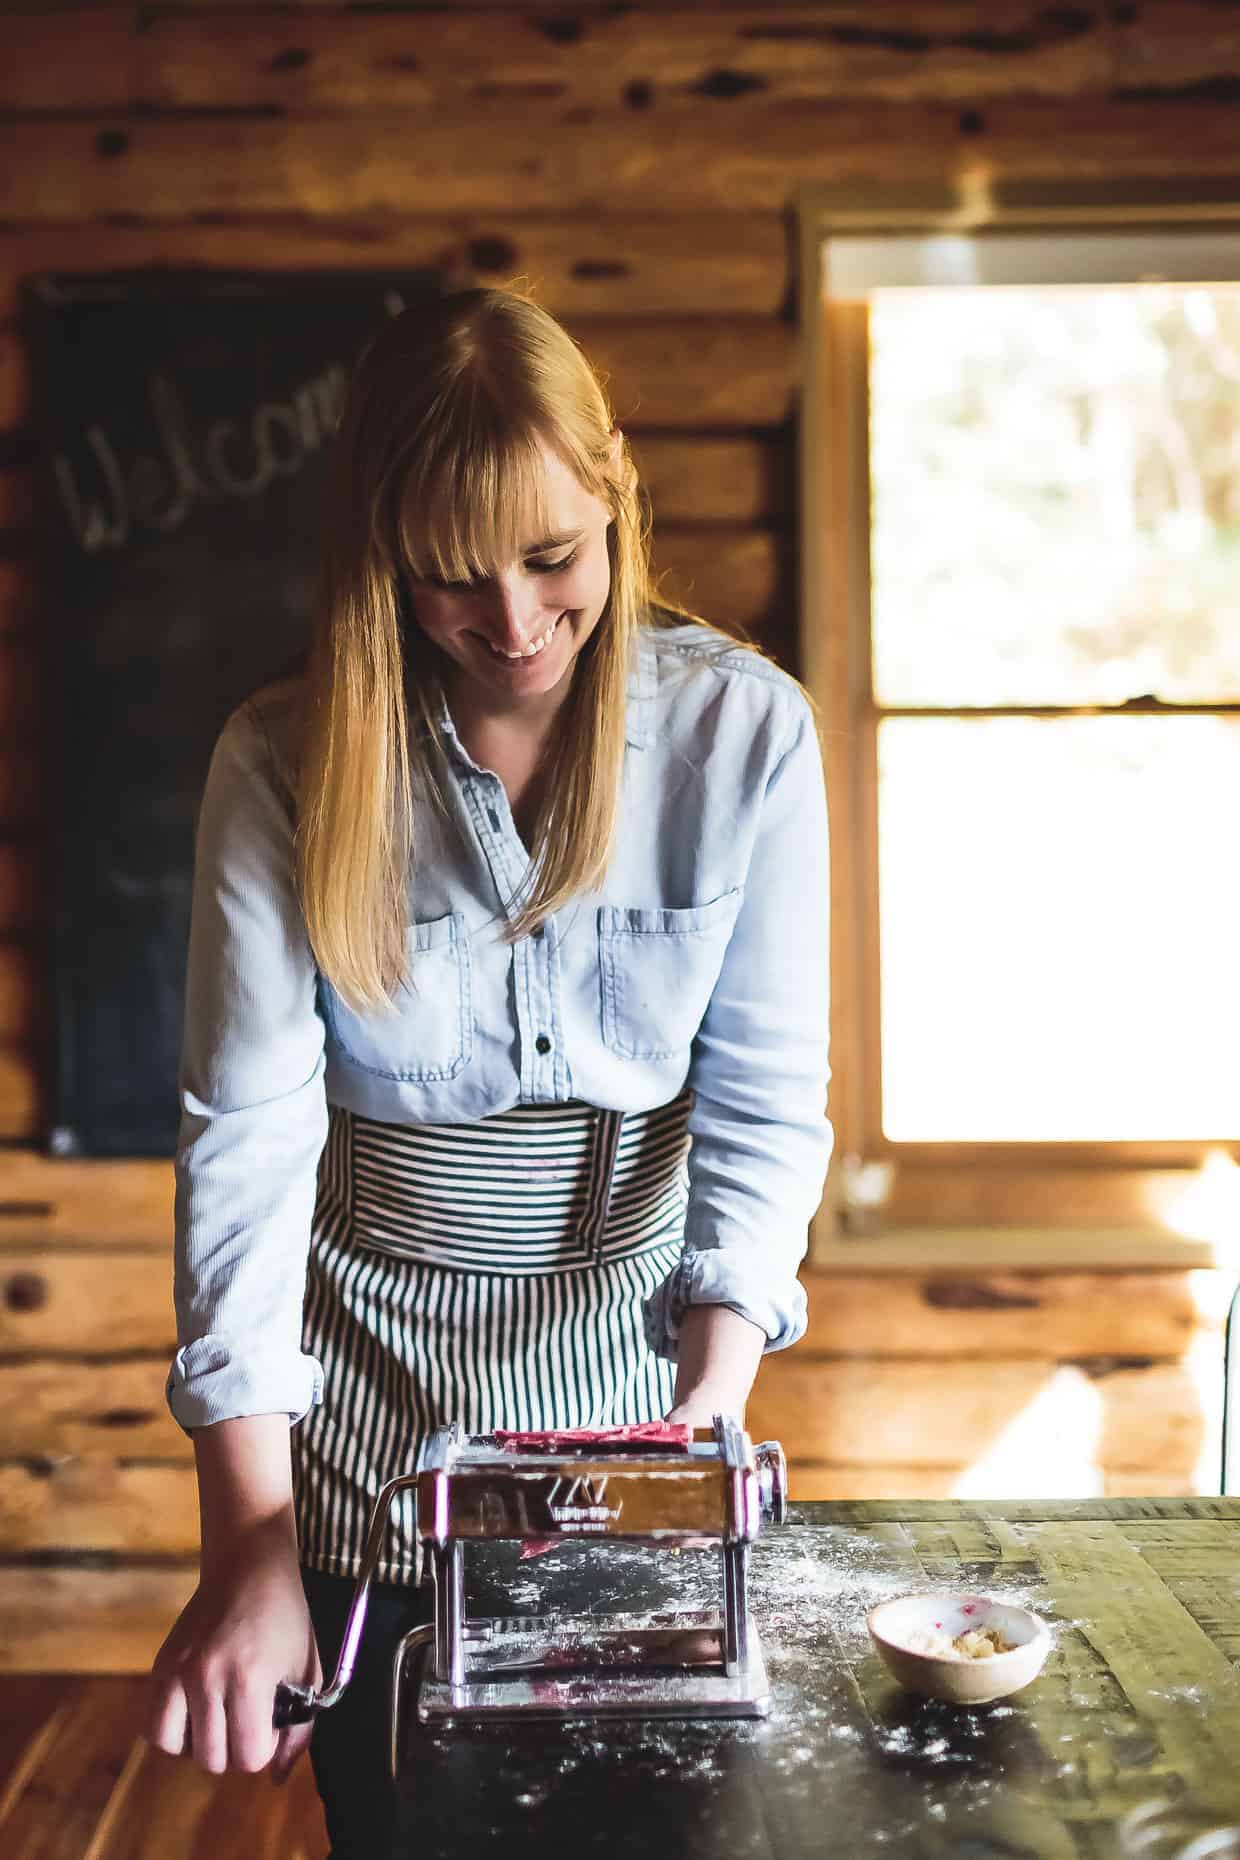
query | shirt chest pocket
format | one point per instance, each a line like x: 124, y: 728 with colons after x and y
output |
x: 429, y: 1031
x: 657, y: 969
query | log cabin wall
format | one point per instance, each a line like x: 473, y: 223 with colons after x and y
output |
x: 637, y: 166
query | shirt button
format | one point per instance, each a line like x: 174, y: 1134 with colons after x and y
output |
x: 542, y: 1044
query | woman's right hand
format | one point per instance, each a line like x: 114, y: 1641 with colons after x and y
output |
x: 245, y: 1628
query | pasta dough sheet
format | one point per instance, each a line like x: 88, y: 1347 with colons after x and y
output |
x: 665, y: 1436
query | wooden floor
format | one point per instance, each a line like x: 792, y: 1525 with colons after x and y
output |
x: 79, y: 1782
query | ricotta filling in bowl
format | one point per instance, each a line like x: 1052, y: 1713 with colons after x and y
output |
x: 973, y: 1644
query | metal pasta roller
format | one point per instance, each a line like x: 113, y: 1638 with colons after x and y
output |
x: 712, y: 1487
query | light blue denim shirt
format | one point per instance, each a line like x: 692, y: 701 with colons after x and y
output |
x: 701, y: 959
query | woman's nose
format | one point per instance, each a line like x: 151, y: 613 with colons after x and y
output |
x: 515, y: 611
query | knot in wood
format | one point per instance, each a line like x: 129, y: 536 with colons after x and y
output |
x: 292, y: 58
x: 490, y: 254
x: 563, y: 31
x: 25, y: 1291
x: 728, y: 84
x: 977, y: 1295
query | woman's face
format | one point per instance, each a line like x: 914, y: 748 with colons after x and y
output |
x: 514, y: 636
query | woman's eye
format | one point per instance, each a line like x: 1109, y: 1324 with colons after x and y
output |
x: 467, y: 587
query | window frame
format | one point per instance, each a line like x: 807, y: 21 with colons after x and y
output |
x: 890, y: 1203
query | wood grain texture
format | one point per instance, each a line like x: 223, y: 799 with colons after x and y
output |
x: 1139, y: 1481
x: 81, y: 1783
x: 1196, y: 1562
x: 809, y: 1481
x: 1029, y: 1420
x: 55, y: 1201
x: 576, y: 265
x: 53, y: 1504
x: 21, y: 1094
x: 704, y: 479
x: 316, y: 62
x: 1085, y: 1193
x: 1057, y: 1316
x: 961, y: 1512
x: 1167, y: 46
x: 74, y: 1303
x: 56, y: 1803
x: 103, y: 1409
x: 732, y: 579
x: 976, y: 1249
x: 686, y: 157
x: 89, y: 1619
x: 172, y: 1808
x: 1137, y: 1698
x: 23, y: 994
x: 1147, y: 1645
x: 701, y: 375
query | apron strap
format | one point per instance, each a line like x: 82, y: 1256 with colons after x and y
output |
x: 604, y: 1148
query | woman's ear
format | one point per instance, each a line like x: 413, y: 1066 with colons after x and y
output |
x: 623, y: 467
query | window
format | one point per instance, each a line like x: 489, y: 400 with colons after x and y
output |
x: 1021, y: 469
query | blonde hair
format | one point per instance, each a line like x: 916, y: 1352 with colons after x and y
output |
x: 435, y: 465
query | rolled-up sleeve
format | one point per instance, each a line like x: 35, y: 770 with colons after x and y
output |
x: 253, y: 1106
x: 760, y: 1137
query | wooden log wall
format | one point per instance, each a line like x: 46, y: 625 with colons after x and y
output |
x: 637, y: 167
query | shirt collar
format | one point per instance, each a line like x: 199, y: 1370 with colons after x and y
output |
x: 641, y: 688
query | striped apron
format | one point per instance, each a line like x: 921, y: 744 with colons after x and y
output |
x: 491, y: 1273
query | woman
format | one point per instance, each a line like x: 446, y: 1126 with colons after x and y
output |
x: 506, y: 1008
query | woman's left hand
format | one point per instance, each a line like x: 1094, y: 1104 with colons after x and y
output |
x: 700, y: 1410
x: 718, y: 1356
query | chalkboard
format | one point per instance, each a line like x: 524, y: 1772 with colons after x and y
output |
x: 182, y: 424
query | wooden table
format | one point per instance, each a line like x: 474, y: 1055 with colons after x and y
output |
x: 1127, y: 1745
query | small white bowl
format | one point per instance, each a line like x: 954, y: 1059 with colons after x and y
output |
x: 959, y: 1680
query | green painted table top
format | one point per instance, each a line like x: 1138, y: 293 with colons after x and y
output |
x: 1127, y: 1745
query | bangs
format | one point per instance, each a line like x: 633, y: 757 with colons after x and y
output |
x: 472, y: 505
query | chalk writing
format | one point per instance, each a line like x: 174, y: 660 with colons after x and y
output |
x: 107, y: 497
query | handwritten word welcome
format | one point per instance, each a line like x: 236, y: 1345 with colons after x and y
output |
x: 107, y: 498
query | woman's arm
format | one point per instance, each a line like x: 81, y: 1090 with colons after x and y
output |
x: 717, y: 1362
x: 246, y: 1627
x: 245, y: 1482
x: 253, y: 1104
x: 758, y: 1068
x: 253, y: 1121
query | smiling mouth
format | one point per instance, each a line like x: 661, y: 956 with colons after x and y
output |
x: 530, y: 651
